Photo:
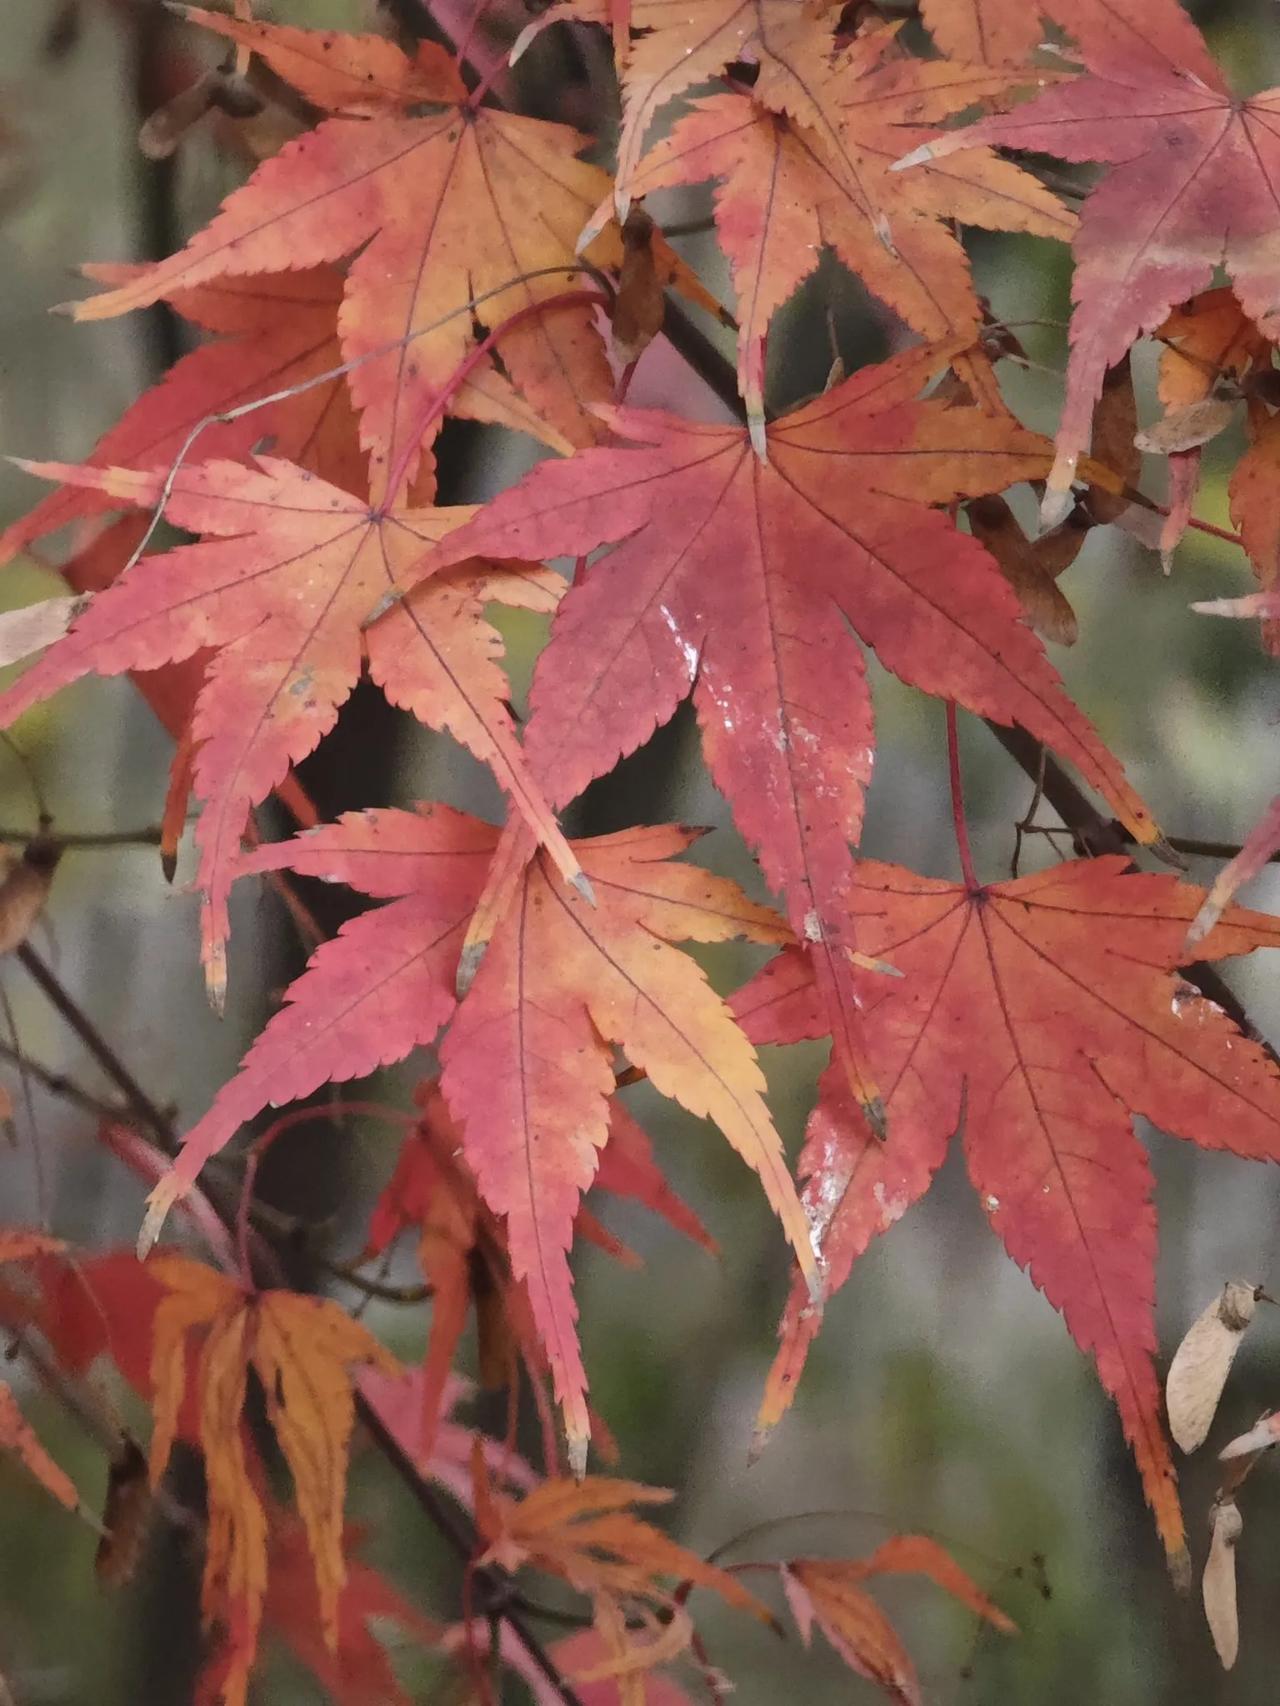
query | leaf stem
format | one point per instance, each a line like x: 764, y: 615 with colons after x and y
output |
x: 957, y: 802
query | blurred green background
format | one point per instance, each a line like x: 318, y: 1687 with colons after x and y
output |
x: 944, y: 1393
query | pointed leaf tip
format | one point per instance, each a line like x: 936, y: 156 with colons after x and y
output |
x: 160, y: 1201
x: 917, y: 157
x: 582, y: 883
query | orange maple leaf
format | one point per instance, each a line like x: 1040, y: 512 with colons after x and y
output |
x: 585, y: 1532
x: 302, y: 1350
x: 459, y: 214
x: 19, y: 1438
x: 1031, y: 1015
x: 985, y: 32
x: 290, y: 569
x: 832, y: 1593
x: 689, y: 42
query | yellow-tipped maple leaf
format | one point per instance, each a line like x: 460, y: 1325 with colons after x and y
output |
x: 586, y: 1532
x: 302, y: 1350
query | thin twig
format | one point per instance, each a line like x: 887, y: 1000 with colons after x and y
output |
x: 96, y: 1044
x: 149, y: 837
x: 58, y: 1084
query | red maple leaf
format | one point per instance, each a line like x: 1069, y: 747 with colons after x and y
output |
x: 274, y: 333
x: 735, y: 578
x: 789, y: 189
x: 280, y: 590
x: 528, y: 1058
x: 1033, y: 1016
x: 1004, y: 32
x: 1193, y: 185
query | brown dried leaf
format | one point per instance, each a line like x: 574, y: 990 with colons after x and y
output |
x: 1203, y: 1360
x: 639, y: 306
x: 126, y: 1514
x: 1219, y: 1584
x: 24, y: 889
x: 1115, y: 421
x: 1031, y: 566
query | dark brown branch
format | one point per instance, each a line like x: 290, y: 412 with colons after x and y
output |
x: 136, y: 1098
x: 1095, y: 834
x: 60, y: 1085
x: 149, y: 837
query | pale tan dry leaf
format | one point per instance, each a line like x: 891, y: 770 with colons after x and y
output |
x: 1186, y: 428
x: 1264, y: 1433
x: 1219, y: 1584
x: 36, y: 626
x: 1203, y: 1361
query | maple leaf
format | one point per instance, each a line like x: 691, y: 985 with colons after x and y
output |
x: 832, y: 1593
x: 527, y: 1062
x: 281, y: 588
x: 789, y: 189
x: 1005, y: 32
x: 585, y: 1532
x: 527, y: 1068
x: 462, y: 1249
x: 302, y: 1349
x: 276, y: 332
x: 357, y: 1671
x: 19, y: 1438
x: 735, y: 578
x: 457, y: 213
x: 1034, y: 1014
x: 1195, y: 173
x: 685, y: 42
x: 986, y: 32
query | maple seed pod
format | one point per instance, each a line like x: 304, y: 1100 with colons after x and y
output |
x: 1218, y: 1587
x: 1261, y: 1437
x: 1203, y: 1361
